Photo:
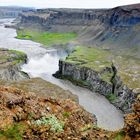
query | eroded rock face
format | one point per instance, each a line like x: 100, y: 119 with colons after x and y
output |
x: 88, y: 77
x: 10, y: 62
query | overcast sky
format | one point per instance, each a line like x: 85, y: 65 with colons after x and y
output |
x: 68, y: 3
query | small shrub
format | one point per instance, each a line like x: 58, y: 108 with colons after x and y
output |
x: 120, y: 136
x: 51, y: 120
x: 66, y: 114
x: 111, y: 97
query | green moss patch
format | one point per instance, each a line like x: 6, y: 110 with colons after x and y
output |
x: 14, y: 132
x: 119, y: 136
x: 111, y: 97
x: 129, y: 70
x: 94, y: 58
x: 45, y: 38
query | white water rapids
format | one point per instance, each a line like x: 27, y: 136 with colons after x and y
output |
x: 43, y: 63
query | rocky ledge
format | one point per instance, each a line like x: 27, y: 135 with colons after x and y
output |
x: 10, y: 62
x: 27, y: 116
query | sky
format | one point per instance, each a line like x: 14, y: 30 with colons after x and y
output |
x: 68, y: 3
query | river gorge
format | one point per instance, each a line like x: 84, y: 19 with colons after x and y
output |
x: 44, y: 62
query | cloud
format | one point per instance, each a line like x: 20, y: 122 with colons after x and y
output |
x: 68, y: 3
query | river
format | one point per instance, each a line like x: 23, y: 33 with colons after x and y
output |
x: 43, y: 63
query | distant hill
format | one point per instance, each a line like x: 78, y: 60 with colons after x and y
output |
x: 12, y: 11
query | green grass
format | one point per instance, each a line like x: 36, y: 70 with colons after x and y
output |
x: 18, y: 58
x: 107, y: 76
x: 46, y: 38
x: 119, y: 136
x: 129, y: 70
x: 14, y: 132
x: 12, y: 56
x: 94, y: 58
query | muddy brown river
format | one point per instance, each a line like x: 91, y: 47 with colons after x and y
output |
x: 43, y: 63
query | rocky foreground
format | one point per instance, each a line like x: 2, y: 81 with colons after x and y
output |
x: 27, y: 116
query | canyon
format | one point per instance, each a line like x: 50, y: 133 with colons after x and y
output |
x: 113, y: 30
x: 91, y: 54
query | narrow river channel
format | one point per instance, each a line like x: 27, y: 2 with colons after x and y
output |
x: 43, y: 63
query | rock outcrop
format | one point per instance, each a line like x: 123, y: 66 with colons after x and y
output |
x: 11, y: 75
x: 10, y: 62
x: 119, y: 16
